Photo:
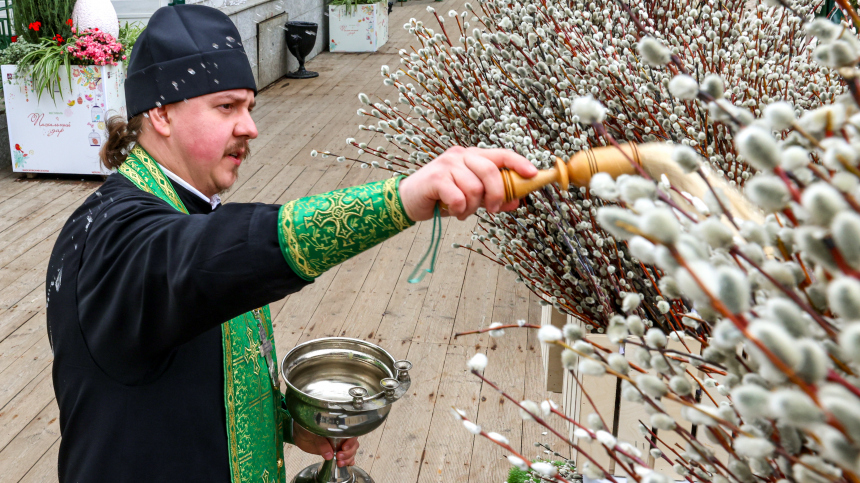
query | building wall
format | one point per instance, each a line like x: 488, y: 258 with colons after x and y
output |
x: 259, y: 23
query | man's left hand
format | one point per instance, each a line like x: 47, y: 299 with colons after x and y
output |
x: 313, y: 444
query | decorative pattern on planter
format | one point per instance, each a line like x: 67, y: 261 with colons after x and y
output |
x: 364, y: 29
x: 63, y: 134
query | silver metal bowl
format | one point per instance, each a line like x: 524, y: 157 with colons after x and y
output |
x: 341, y: 388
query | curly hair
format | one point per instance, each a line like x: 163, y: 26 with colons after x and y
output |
x: 122, y: 136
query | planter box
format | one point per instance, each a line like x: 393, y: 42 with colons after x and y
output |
x: 365, y: 29
x: 62, y: 135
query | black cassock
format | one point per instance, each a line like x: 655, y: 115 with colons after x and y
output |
x: 136, y: 294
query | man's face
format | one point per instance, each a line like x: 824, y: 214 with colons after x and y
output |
x: 211, y: 135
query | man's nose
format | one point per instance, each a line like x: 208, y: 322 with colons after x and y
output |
x: 246, y: 127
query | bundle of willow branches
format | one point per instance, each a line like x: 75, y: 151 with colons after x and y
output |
x: 766, y: 100
x: 510, y: 81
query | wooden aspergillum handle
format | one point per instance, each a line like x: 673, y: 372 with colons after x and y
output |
x: 578, y: 170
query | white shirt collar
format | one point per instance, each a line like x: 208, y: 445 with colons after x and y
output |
x: 214, y: 201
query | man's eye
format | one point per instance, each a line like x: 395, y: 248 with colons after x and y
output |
x: 227, y: 106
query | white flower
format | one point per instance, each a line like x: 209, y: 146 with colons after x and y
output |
x: 687, y: 158
x: 588, y: 109
x: 603, y: 185
x: 471, y: 427
x: 498, y: 332
x: 607, y: 439
x: 546, y: 407
x: 823, y: 202
x: 768, y: 192
x: 478, y: 362
x: 758, y: 148
x: 549, y: 333
x: 364, y: 99
x: 713, y: 85
x: 654, y: 52
x: 591, y: 367
x: 780, y: 115
x: 573, y: 332
x: 684, y: 87
x: 458, y: 413
x: 547, y: 470
x: 843, y: 293
x: 528, y: 408
x: 631, y: 302
x: 498, y: 438
x: 518, y: 462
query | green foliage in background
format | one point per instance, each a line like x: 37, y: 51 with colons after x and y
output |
x: 44, y: 64
x: 128, y: 34
x: 16, y: 51
x: 53, y: 15
x: 516, y: 475
x: 352, y: 4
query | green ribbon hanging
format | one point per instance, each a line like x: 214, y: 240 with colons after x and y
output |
x: 418, y: 274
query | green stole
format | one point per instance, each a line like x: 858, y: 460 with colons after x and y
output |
x: 256, y: 422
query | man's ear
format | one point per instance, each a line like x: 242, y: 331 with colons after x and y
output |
x: 158, y: 117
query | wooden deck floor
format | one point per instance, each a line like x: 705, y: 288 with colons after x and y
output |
x: 366, y: 297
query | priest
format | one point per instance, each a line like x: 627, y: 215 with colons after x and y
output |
x: 164, y: 361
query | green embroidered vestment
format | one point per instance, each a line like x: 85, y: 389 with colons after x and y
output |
x: 315, y: 234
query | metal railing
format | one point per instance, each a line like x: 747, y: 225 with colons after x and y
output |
x: 6, y: 12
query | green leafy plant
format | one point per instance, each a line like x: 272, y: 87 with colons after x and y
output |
x: 44, y: 65
x: 351, y: 5
x: 52, y: 16
x: 128, y: 34
x: 16, y: 51
x: 516, y: 475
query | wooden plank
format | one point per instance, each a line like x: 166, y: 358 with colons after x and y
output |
x: 24, y: 204
x: 448, y: 450
x: 60, y: 206
x: 23, y: 369
x: 507, y: 369
x: 476, y: 300
x: 28, y: 447
x: 400, y: 452
x: 279, y: 184
x: 386, y: 275
x: 17, y: 315
x: 13, y: 347
x: 406, y: 302
x: 26, y: 404
x: 45, y: 470
x: 443, y: 295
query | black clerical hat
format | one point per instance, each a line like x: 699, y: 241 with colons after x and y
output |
x: 185, y: 51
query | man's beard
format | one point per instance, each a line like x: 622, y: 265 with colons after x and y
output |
x: 246, y: 153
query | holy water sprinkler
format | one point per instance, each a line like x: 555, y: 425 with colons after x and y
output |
x: 341, y: 388
x: 301, y: 38
x: 579, y: 169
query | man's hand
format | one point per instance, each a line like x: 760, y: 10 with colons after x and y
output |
x: 463, y: 179
x: 313, y: 444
